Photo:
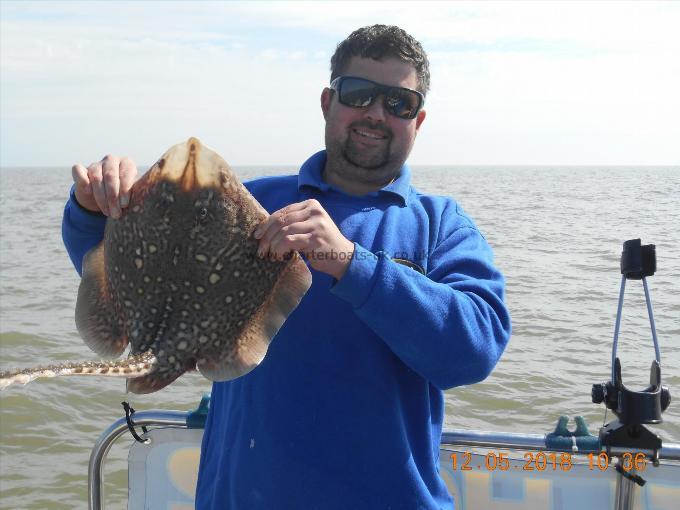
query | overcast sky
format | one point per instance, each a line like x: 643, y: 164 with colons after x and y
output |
x: 513, y: 83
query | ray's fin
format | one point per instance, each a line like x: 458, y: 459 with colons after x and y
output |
x: 152, y: 382
x: 257, y: 334
x: 132, y: 367
x: 95, y: 313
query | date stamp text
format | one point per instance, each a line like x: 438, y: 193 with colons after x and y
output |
x: 544, y: 461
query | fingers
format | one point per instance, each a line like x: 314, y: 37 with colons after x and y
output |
x: 279, y: 222
x: 290, y: 243
x: 111, y: 179
x: 280, y: 218
x: 306, y: 227
x: 128, y: 175
x: 296, y: 236
x: 285, y: 229
x: 105, y: 185
x: 95, y: 175
x: 80, y: 179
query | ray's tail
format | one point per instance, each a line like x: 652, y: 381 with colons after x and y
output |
x: 134, y: 366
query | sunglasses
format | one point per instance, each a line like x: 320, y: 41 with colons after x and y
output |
x: 360, y: 93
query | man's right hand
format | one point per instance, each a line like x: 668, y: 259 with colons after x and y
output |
x: 104, y: 186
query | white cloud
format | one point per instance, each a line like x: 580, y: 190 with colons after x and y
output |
x: 513, y: 82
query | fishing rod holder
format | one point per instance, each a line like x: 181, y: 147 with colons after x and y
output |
x: 634, y: 409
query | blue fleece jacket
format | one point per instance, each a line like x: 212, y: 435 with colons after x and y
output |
x: 346, y: 409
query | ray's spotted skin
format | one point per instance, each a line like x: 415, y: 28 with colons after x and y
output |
x: 133, y: 366
x: 178, y: 278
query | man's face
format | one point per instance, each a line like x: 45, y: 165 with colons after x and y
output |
x: 369, y: 145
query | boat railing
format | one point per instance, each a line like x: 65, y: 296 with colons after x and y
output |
x: 95, y: 474
x: 195, y: 419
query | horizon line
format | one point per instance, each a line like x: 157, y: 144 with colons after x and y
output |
x: 456, y: 165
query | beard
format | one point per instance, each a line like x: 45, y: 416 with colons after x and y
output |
x: 368, y: 165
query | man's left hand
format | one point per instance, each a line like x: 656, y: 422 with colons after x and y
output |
x: 306, y: 227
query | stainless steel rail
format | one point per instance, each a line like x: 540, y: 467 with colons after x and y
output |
x: 529, y: 442
x: 178, y: 419
x: 493, y: 439
x: 101, y: 448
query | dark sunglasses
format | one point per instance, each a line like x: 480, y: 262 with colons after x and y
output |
x: 360, y: 93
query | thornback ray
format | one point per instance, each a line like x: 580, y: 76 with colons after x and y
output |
x: 178, y: 279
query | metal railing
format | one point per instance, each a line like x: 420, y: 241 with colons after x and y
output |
x: 178, y: 419
x: 95, y: 475
x: 530, y: 442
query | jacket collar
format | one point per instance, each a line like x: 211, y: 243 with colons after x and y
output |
x: 311, y: 176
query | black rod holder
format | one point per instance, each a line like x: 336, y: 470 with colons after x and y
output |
x: 633, y: 409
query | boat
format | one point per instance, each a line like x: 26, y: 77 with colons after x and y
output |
x: 625, y: 466
x: 482, y: 470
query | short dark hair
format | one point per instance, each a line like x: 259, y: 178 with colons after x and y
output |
x: 382, y: 41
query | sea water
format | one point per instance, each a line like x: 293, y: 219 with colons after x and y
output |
x: 557, y: 234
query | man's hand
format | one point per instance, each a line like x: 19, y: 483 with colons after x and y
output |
x: 306, y: 227
x: 104, y: 186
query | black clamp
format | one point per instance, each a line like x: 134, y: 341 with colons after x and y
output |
x: 129, y: 411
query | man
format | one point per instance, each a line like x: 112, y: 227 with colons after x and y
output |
x: 346, y: 409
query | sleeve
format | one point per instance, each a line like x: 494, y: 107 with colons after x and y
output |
x: 450, y: 326
x: 81, y: 230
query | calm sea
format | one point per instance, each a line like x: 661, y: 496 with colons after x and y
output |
x: 557, y: 235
